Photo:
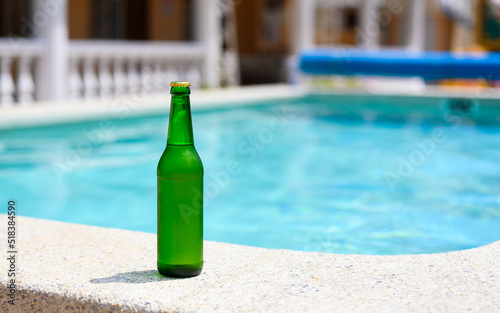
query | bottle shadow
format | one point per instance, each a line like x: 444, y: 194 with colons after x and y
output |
x: 134, y: 277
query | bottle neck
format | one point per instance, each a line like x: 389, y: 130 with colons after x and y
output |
x: 180, y: 126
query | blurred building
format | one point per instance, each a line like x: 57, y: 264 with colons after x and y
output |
x: 115, y: 47
x: 60, y: 49
x: 109, y: 19
x: 269, y: 31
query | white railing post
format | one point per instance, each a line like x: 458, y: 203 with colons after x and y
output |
x: 368, y: 33
x: 171, y: 72
x: 119, y: 77
x: 182, y: 70
x: 50, y: 18
x: 75, y: 79
x: 208, y: 32
x: 133, y: 79
x: 159, y: 73
x: 304, y: 26
x: 417, y: 25
x: 104, y: 78
x: 25, y: 83
x: 147, y: 77
x: 193, y: 75
x: 6, y: 82
x: 90, y: 80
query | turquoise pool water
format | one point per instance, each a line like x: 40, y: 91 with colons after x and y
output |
x: 314, y: 174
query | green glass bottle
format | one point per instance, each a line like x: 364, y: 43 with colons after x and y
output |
x: 180, y: 193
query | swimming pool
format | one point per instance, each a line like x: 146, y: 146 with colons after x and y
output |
x: 341, y: 174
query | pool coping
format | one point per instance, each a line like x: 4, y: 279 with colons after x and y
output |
x: 79, y: 268
x: 46, y: 113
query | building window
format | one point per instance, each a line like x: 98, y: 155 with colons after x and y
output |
x: 120, y: 19
x: 108, y: 19
x: 15, y: 18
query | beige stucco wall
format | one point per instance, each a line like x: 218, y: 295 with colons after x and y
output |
x: 79, y: 19
x: 166, y: 19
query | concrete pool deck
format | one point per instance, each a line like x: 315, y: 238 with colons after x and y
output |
x: 63, y: 267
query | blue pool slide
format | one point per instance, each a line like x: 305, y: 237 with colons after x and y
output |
x: 430, y: 65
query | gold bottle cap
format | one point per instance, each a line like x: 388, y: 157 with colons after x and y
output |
x: 180, y: 84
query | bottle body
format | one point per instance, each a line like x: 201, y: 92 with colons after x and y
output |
x: 180, y: 198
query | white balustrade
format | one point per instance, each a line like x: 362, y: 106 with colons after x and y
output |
x: 17, y: 70
x: 101, y: 69
x: 114, y: 68
x: 52, y: 67
x: 140, y: 67
x: 132, y: 68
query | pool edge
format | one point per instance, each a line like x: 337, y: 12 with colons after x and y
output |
x: 112, y: 269
x: 47, y: 113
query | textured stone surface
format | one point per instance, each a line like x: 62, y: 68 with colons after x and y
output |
x: 78, y: 268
